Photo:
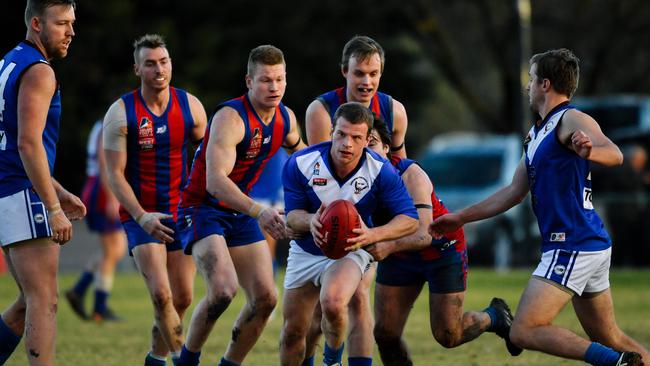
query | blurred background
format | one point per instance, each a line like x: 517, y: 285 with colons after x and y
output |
x: 458, y: 67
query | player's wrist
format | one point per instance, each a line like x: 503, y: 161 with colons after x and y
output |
x: 54, y: 210
x: 142, y: 218
x: 256, y: 210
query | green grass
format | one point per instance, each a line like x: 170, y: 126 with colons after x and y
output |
x: 87, y: 343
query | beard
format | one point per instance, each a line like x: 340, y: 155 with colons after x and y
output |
x: 51, y: 48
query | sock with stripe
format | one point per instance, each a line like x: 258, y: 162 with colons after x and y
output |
x: 225, y: 362
x: 153, y: 360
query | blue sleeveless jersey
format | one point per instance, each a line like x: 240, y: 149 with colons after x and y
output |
x: 381, y: 105
x: 13, y: 177
x: 560, y: 187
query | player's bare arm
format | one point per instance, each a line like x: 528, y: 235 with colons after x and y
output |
x: 499, y: 202
x: 200, y: 118
x: 37, y: 87
x: 398, y: 226
x: 420, y: 188
x: 226, y: 131
x: 318, y: 123
x: 114, y: 144
x: 582, y: 134
x: 293, y: 142
x: 301, y: 221
x: 400, y: 123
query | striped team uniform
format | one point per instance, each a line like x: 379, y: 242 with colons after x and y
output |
x: 381, y: 105
x: 202, y: 214
x: 93, y: 193
x: 443, y: 264
x: 22, y: 214
x: 309, y: 180
x: 576, y: 249
x: 156, y: 166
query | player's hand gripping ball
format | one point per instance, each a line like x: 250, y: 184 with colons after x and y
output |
x: 338, y: 219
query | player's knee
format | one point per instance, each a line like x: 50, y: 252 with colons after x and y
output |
x: 265, y: 303
x: 292, y: 337
x: 518, y: 334
x: 446, y: 337
x: 182, y: 301
x: 384, y: 336
x: 161, y: 299
x: 218, y: 303
x: 333, y: 308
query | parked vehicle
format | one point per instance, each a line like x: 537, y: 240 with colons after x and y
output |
x: 467, y: 168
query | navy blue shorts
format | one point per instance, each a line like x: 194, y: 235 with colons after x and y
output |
x: 196, y: 223
x: 447, y: 274
x: 136, y: 235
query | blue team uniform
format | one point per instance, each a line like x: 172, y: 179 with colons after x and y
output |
x: 560, y: 187
x: 309, y: 180
x: 23, y: 215
x: 576, y: 249
x: 13, y: 177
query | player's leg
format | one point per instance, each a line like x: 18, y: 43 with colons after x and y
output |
x: 532, y: 327
x: 75, y: 295
x: 450, y: 325
x: 360, y: 338
x: 595, y: 308
x: 151, y: 260
x: 113, y: 249
x: 214, y: 264
x: 12, y: 320
x: 339, y: 282
x: 313, y: 336
x: 35, y: 264
x: 297, y: 309
x: 255, y: 274
x: 180, y: 270
x: 392, y: 307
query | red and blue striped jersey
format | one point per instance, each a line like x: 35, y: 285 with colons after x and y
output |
x: 259, y: 144
x: 381, y: 105
x: 156, y: 166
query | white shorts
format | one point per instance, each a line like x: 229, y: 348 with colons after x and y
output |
x: 22, y: 217
x: 578, y: 271
x: 304, y: 267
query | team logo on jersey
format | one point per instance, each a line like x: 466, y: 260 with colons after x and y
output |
x: 188, y: 221
x: 256, y: 144
x: 319, y: 181
x: 316, y: 170
x: 359, y: 184
x: 39, y: 218
x: 558, y: 237
x: 549, y: 126
x: 162, y: 129
x: 267, y: 139
x: 145, y: 134
x: 3, y: 140
x: 559, y: 269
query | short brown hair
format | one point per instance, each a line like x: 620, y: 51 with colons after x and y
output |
x: 264, y: 55
x: 36, y: 8
x: 151, y: 41
x: 560, y: 67
x: 355, y: 113
x: 361, y: 47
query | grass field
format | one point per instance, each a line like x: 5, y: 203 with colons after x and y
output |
x: 87, y: 343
